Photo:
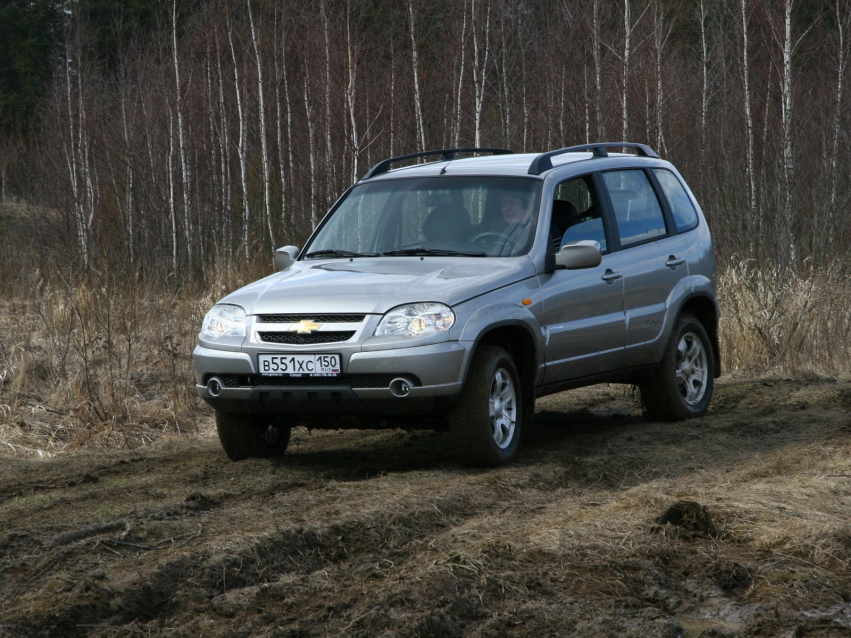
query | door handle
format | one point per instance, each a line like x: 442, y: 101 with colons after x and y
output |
x: 610, y: 276
x: 674, y: 261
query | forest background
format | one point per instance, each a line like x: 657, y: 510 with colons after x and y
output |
x: 153, y: 154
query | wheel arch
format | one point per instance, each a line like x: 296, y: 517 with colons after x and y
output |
x: 519, y: 342
x: 705, y: 310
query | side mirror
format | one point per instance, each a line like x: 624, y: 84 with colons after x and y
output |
x: 580, y: 254
x: 284, y: 257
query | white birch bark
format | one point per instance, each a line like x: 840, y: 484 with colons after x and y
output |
x: 479, y: 74
x: 261, y: 107
x: 505, y: 91
x: 351, y: 92
x: 598, y: 70
x: 843, y: 17
x: 788, y: 157
x: 73, y: 162
x: 279, y: 127
x: 748, y: 113
x: 659, y: 40
x: 415, y: 64
x: 311, y: 145
x: 330, y: 165
x: 184, y: 167
x: 456, y: 126
x: 224, y: 145
x: 240, y: 148
x: 172, y: 208
x: 128, y: 178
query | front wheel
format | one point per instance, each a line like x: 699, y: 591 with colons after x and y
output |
x: 245, y: 436
x: 485, y: 426
x: 682, y: 387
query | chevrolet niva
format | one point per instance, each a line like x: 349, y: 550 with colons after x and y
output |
x: 451, y: 294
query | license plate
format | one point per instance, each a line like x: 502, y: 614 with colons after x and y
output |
x: 299, y: 365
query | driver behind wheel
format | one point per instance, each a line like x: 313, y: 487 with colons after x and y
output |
x: 516, y: 208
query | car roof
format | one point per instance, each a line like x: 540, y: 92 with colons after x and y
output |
x: 509, y: 165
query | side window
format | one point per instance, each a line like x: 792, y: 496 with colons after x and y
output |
x: 685, y: 216
x: 575, y: 215
x: 637, y: 211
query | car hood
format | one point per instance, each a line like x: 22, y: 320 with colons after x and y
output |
x: 374, y: 286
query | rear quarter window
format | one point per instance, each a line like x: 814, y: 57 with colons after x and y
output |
x: 685, y: 216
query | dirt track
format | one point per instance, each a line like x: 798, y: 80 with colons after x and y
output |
x: 382, y: 534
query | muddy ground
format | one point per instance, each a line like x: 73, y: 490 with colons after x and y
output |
x: 381, y: 533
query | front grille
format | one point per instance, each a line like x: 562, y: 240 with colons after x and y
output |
x: 348, y: 380
x: 303, y: 339
x: 316, y: 318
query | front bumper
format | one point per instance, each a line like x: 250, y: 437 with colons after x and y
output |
x: 362, y: 390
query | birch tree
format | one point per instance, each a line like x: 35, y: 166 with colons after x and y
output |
x: 415, y: 68
x: 479, y: 73
x: 184, y: 168
x: 240, y: 148
x: 747, y: 105
x: 261, y: 108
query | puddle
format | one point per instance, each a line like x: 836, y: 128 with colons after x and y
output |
x: 695, y: 626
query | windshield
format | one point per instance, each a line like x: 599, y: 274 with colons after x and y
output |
x: 468, y: 216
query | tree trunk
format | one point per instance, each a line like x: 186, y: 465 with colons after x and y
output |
x: 240, y: 148
x: 184, y: 167
x: 415, y: 57
x: 261, y: 106
x: 788, y: 159
x: 479, y: 75
x: 456, y: 125
x: 748, y: 114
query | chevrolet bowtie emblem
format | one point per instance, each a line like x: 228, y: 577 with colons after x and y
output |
x: 305, y: 326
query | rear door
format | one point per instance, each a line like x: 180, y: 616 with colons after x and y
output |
x: 652, y: 258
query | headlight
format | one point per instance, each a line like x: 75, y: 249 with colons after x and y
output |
x: 416, y: 319
x: 224, y: 321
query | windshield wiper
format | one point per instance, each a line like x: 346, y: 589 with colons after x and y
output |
x: 440, y: 252
x: 338, y: 253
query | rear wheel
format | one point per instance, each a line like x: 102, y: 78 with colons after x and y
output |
x: 245, y: 436
x: 682, y: 387
x: 485, y: 426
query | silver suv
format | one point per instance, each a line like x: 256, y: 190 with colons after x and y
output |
x: 453, y: 293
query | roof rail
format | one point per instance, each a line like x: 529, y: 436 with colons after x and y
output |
x: 446, y: 154
x: 542, y: 163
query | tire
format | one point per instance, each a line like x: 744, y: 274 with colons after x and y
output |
x: 246, y: 436
x: 484, y: 427
x: 682, y: 387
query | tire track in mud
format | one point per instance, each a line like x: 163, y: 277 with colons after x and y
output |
x: 202, y: 575
x: 358, y: 535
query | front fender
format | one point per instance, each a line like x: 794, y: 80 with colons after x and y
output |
x: 499, y: 314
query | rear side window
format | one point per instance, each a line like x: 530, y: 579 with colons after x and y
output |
x: 685, y: 216
x: 637, y: 211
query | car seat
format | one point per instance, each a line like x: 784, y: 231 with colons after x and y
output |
x: 450, y: 222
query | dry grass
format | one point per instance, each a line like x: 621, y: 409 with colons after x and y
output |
x: 104, y: 359
x: 784, y: 322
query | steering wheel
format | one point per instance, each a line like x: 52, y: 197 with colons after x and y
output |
x: 486, y: 235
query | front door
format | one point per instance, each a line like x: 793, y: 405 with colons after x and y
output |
x: 583, y: 309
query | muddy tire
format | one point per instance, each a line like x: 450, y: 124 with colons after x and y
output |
x: 484, y: 427
x: 246, y: 436
x: 682, y: 387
